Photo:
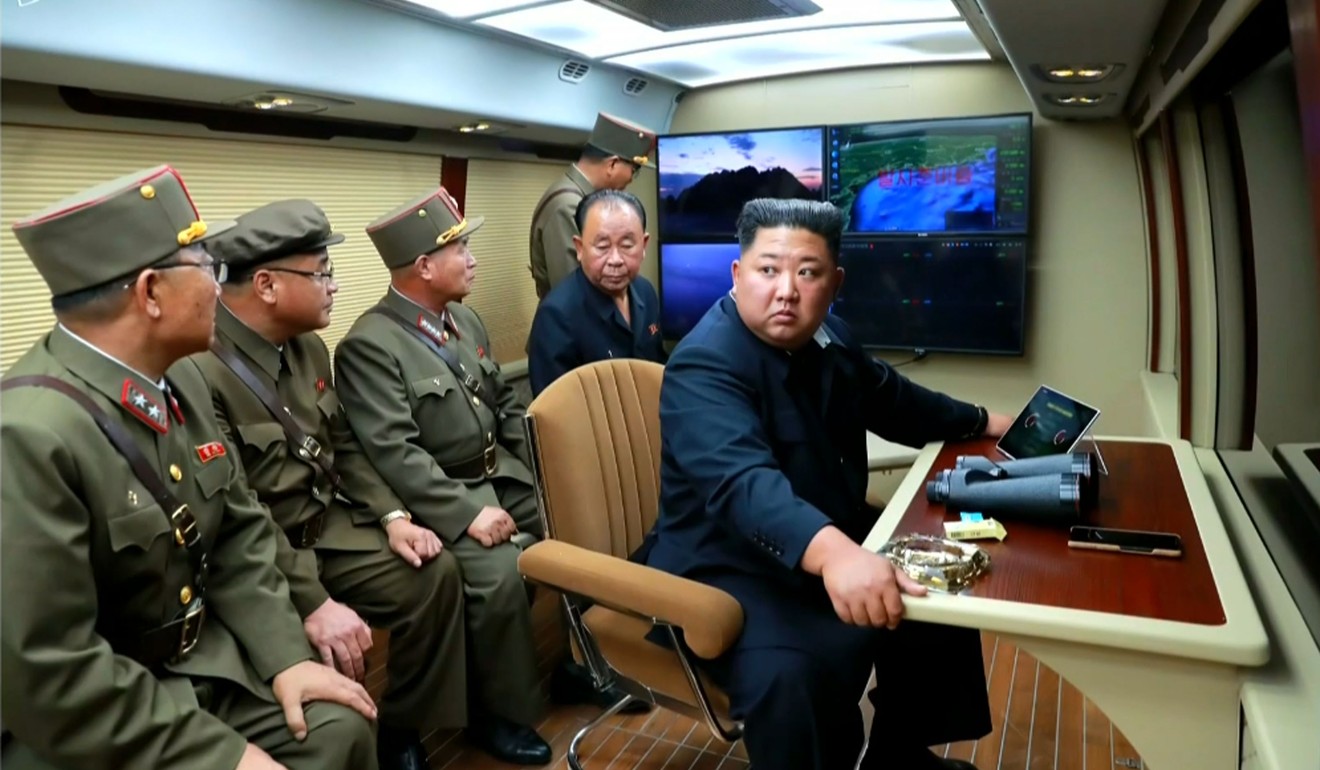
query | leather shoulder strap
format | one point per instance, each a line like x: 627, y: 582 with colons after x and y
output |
x: 470, y: 382
x: 537, y: 213
x: 186, y: 532
x: 271, y: 400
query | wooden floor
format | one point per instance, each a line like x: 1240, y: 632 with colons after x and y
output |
x: 1041, y: 723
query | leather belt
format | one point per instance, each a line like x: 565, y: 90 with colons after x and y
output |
x: 483, y: 465
x: 306, y: 534
x: 169, y: 643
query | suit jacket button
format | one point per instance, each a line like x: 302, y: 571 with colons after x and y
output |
x: 176, y: 473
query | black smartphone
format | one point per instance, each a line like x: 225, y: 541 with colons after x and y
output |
x: 1125, y: 541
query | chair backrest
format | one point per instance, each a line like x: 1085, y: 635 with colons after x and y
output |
x: 595, y: 442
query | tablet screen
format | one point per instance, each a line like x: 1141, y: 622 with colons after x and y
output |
x: 1051, y: 424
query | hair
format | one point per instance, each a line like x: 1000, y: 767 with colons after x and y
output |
x: 611, y: 199
x: 818, y: 217
x: 105, y: 301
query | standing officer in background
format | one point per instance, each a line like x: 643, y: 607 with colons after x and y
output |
x: 763, y: 416
x: 604, y: 309
x: 340, y: 531
x: 435, y: 416
x: 611, y: 159
x: 145, y: 624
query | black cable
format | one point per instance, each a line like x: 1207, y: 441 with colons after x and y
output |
x: 920, y: 354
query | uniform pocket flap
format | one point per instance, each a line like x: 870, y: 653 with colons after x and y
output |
x: 213, y: 476
x: 138, y: 528
x: 329, y: 404
x: 432, y: 386
x: 260, y: 435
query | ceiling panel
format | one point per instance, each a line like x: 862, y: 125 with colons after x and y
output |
x: 596, y: 32
x: 720, y: 61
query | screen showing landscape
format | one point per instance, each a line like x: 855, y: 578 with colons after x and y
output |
x: 706, y: 178
x: 936, y: 176
x: 693, y: 276
x: 964, y: 295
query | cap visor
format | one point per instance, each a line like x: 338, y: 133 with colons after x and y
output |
x: 216, y: 227
x: 473, y: 224
x: 331, y: 241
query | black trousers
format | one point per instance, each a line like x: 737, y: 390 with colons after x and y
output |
x: 798, y: 695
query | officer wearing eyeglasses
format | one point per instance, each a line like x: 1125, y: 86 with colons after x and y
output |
x: 613, y: 156
x: 145, y: 623
x: 346, y: 543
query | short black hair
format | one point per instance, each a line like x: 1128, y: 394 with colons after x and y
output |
x: 615, y: 197
x: 818, y: 217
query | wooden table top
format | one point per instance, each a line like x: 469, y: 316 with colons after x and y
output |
x: 1034, y: 564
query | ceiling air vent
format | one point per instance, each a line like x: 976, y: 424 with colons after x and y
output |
x: 635, y: 86
x: 573, y: 71
x: 670, y: 15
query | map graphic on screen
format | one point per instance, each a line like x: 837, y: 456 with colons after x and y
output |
x: 706, y: 178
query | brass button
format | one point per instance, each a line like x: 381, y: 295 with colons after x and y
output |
x: 176, y: 473
x: 186, y: 595
x: 476, y: 401
x: 422, y: 213
x: 147, y: 191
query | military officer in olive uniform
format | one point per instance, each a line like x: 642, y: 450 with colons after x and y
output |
x: 434, y: 414
x: 611, y: 159
x: 343, y: 535
x: 145, y: 624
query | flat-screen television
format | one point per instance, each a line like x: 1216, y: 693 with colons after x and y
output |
x: 936, y: 234
x: 964, y: 294
x: 706, y: 178
x: 967, y: 175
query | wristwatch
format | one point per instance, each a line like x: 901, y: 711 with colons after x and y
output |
x: 394, y: 516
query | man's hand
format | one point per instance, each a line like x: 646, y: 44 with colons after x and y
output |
x: 997, y: 424
x: 255, y: 759
x: 492, y: 526
x: 863, y: 586
x: 306, y: 682
x: 415, y: 545
x: 341, y: 637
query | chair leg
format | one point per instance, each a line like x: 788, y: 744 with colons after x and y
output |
x: 573, y: 761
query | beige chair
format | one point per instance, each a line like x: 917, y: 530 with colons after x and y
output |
x: 595, y: 445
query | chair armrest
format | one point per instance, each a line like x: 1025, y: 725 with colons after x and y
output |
x: 710, y: 618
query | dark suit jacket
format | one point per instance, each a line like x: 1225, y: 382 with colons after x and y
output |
x: 578, y: 324
x: 761, y: 449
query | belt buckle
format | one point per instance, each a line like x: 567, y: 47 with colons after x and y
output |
x: 312, y: 446
x: 185, y: 526
x: 311, y: 531
x: 192, y: 628
x: 490, y: 460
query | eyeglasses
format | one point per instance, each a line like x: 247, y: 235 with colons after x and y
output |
x: 218, y: 270
x: 320, y: 276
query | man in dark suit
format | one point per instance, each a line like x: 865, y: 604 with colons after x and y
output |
x: 604, y: 309
x: 763, y: 413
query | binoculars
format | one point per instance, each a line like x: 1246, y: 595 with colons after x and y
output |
x: 1057, y: 488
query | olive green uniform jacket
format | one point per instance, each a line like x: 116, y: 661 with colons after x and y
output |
x: 88, y: 556
x: 553, y: 256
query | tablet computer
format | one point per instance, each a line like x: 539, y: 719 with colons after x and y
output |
x: 1050, y: 424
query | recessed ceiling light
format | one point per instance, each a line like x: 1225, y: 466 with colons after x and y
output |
x: 1078, y: 100
x: 1076, y: 73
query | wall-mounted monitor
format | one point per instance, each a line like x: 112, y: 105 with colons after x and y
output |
x: 962, y: 294
x: 693, y: 276
x: 949, y: 176
x: 706, y: 178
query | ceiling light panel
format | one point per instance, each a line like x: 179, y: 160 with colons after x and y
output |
x: 722, y: 61
x: 596, y: 32
x: 466, y: 9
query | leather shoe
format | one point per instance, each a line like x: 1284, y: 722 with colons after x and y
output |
x: 571, y: 684
x: 923, y: 759
x: 509, y: 742
x: 400, y: 749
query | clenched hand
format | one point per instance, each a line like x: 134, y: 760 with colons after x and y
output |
x: 492, y: 526
x: 415, y: 545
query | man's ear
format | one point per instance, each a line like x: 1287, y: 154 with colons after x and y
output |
x: 422, y: 266
x: 578, y: 245
x: 145, y: 290
x: 838, y: 281
x: 263, y: 284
